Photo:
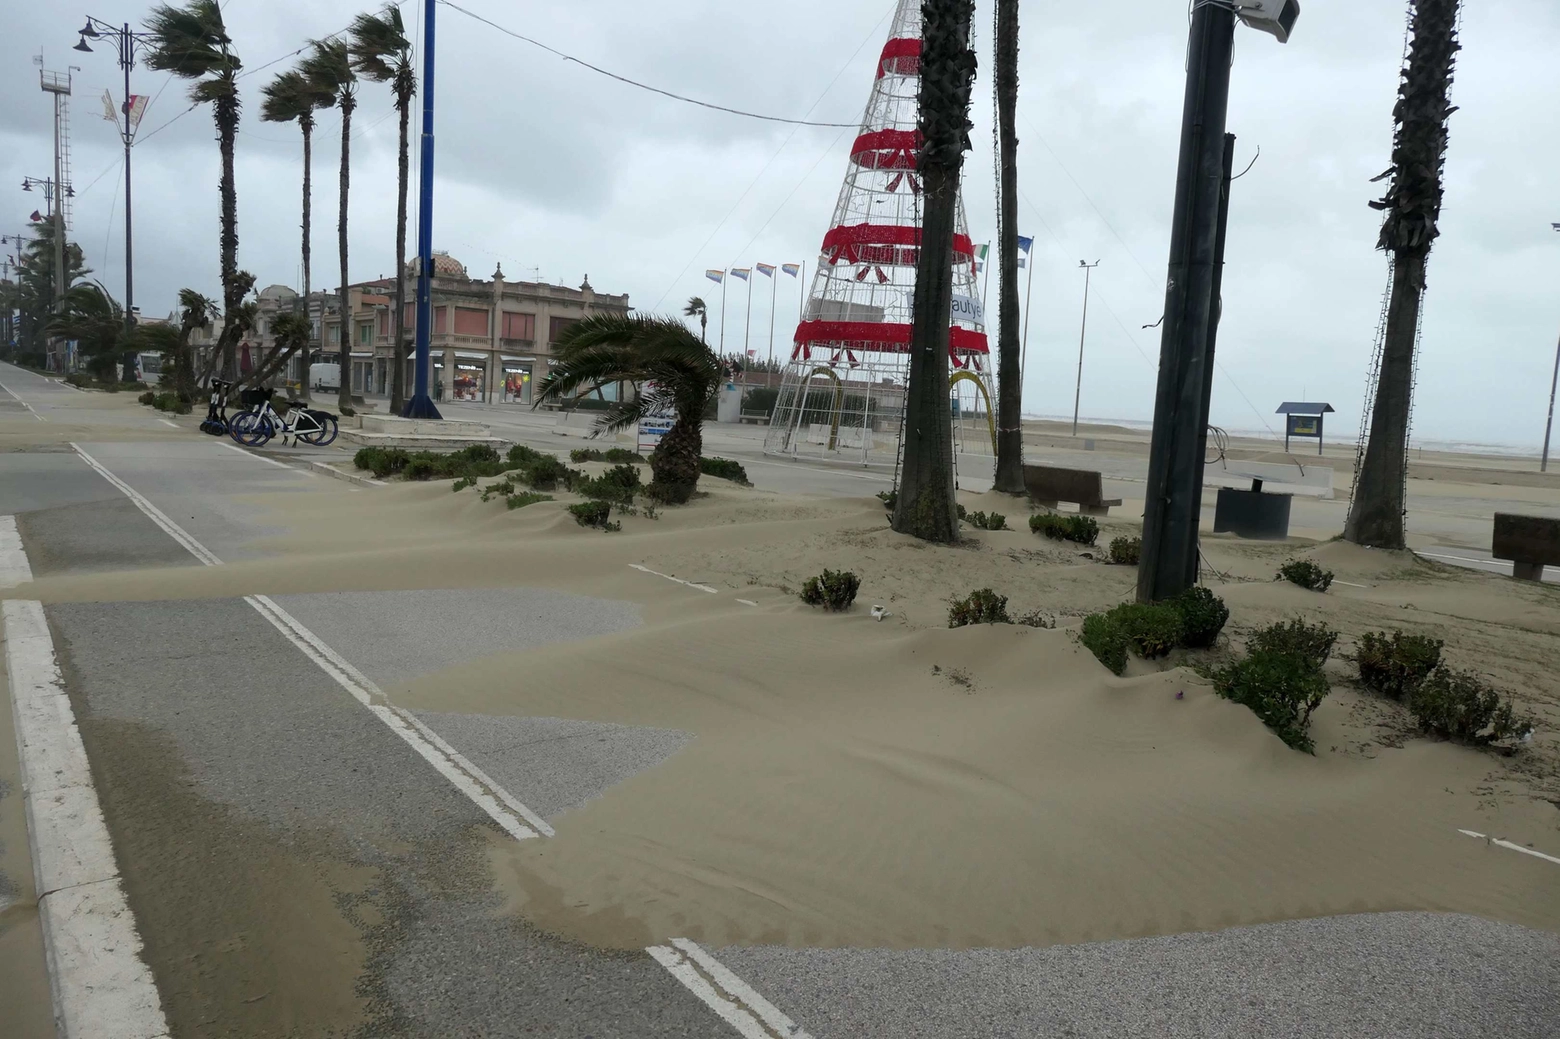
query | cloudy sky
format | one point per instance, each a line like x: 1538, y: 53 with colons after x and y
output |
x: 554, y: 170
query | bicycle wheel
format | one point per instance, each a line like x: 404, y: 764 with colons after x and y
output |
x: 325, y: 435
x: 250, y: 428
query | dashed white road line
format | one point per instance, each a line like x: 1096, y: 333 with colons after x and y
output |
x: 1508, y: 844
x: 732, y: 999
x: 14, y: 569
x: 679, y: 580
x: 501, y: 806
x: 100, y: 984
x: 22, y: 402
x: 169, y: 422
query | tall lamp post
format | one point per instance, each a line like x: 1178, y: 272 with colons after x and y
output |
x: 420, y: 405
x: 1172, y: 498
x: 124, y: 42
x: 1088, y: 270
x: 1549, y: 423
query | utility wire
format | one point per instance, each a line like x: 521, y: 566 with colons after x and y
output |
x: 635, y: 82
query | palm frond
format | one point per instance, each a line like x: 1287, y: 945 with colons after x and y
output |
x: 291, y: 96
x: 328, y: 66
x: 696, y: 307
x: 379, y: 44
x: 192, y: 43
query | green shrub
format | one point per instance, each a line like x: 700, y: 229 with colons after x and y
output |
x: 616, y: 485
x: 591, y: 513
x: 501, y: 489
x: 834, y: 590
x: 521, y: 456
x: 982, y: 606
x: 1103, y: 637
x: 1036, y: 619
x: 959, y: 509
x: 170, y: 402
x: 982, y: 521
x: 1154, y: 628
x: 1281, y: 688
x: 1085, y: 530
x: 1394, y: 665
x: 146, y: 398
x: 463, y: 483
x: 381, y: 461
x: 1203, y: 616
x: 1458, y: 705
x: 611, y: 454
x: 1312, y: 642
x: 524, y: 498
x: 424, y: 465
x: 1306, y: 574
x: 1126, y: 551
x: 724, y: 469
x: 544, y: 472
x: 82, y: 380
x: 888, y: 498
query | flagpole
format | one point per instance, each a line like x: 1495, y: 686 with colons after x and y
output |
x: 724, y: 275
x: 1023, y: 365
x: 985, y: 293
x: 774, y: 286
x: 747, y: 329
x: 801, y: 294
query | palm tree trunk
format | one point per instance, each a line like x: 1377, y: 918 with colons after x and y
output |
x: 403, y: 104
x: 674, y: 464
x: 1010, y: 382
x: 925, y: 504
x: 307, y: 123
x: 1376, y: 517
x: 344, y: 395
x: 226, y: 113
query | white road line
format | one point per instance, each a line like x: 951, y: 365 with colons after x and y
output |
x: 1509, y: 844
x: 747, y: 602
x: 1493, y: 564
x: 101, y: 986
x: 14, y: 569
x: 22, y: 402
x: 251, y: 454
x: 169, y: 422
x: 732, y: 999
x: 501, y: 806
x: 679, y: 580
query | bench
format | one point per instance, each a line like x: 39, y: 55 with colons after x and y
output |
x: 1048, y: 484
x: 1529, y: 542
x: 757, y: 417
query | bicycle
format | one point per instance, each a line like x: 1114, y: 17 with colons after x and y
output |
x: 216, y: 421
x: 260, y: 422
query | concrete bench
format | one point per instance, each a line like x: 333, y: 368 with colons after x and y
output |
x: 757, y: 417
x: 1047, y: 485
x: 1529, y: 542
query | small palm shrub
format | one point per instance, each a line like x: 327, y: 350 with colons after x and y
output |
x: 544, y: 472
x: 1085, y: 530
x: 982, y: 606
x: 591, y: 513
x: 1203, y: 616
x: 616, y: 485
x: 524, y: 498
x: 1311, y: 642
x: 1103, y: 637
x: 725, y: 469
x: 1281, y: 688
x: 834, y: 590
x: 985, y: 521
x: 1458, y: 705
x: 1126, y: 551
x: 1306, y: 574
x: 148, y: 398
x: 1154, y: 628
x: 1394, y: 665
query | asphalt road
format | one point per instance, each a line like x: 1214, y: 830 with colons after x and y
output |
x: 296, y: 868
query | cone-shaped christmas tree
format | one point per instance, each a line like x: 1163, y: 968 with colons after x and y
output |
x: 843, y: 391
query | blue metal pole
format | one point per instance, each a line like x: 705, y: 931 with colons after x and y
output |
x: 421, y: 405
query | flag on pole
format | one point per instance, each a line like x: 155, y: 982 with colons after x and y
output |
x: 766, y: 269
x: 793, y: 269
x: 716, y: 276
x: 136, y: 109
x: 982, y: 250
x: 741, y: 272
x: 110, y: 113
x: 1025, y: 243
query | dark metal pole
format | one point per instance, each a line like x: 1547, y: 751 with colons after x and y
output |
x: 1549, y: 424
x: 421, y: 405
x: 126, y: 59
x: 1088, y: 269
x: 1172, y: 506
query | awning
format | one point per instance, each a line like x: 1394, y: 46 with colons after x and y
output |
x: 525, y: 360
x: 471, y: 356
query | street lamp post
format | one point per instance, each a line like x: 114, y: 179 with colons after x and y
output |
x: 124, y: 42
x: 1088, y: 270
x: 54, y: 203
x: 1549, y: 423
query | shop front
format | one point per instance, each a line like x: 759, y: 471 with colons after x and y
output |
x: 517, y: 380
x: 470, y: 381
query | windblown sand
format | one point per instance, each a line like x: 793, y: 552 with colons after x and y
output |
x: 898, y: 783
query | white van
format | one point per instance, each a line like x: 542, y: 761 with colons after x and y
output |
x: 325, y: 376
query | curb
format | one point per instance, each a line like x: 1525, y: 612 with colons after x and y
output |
x: 341, y: 474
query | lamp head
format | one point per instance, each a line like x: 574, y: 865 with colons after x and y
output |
x: 1276, y: 17
x: 81, y: 45
x: 26, y: 183
x: 89, y: 32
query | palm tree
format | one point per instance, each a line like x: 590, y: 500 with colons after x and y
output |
x: 293, y: 97
x: 924, y: 507
x: 192, y: 43
x: 675, y: 372
x: 195, y: 311
x: 329, y: 67
x: 696, y: 308
x: 1010, y: 380
x: 1413, y: 209
x: 96, y: 321
x: 382, y: 53
x: 290, y: 333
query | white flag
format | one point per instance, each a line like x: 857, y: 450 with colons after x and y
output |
x: 109, y: 112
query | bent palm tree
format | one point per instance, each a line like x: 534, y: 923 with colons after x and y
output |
x: 697, y: 308
x: 329, y: 68
x: 1413, y: 211
x: 96, y: 321
x: 382, y: 53
x: 293, y: 97
x: 674, y: 371
x: 192, y: 43
x: 1010, y: 379
x: 195, y: 311
x: 925, y: 504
